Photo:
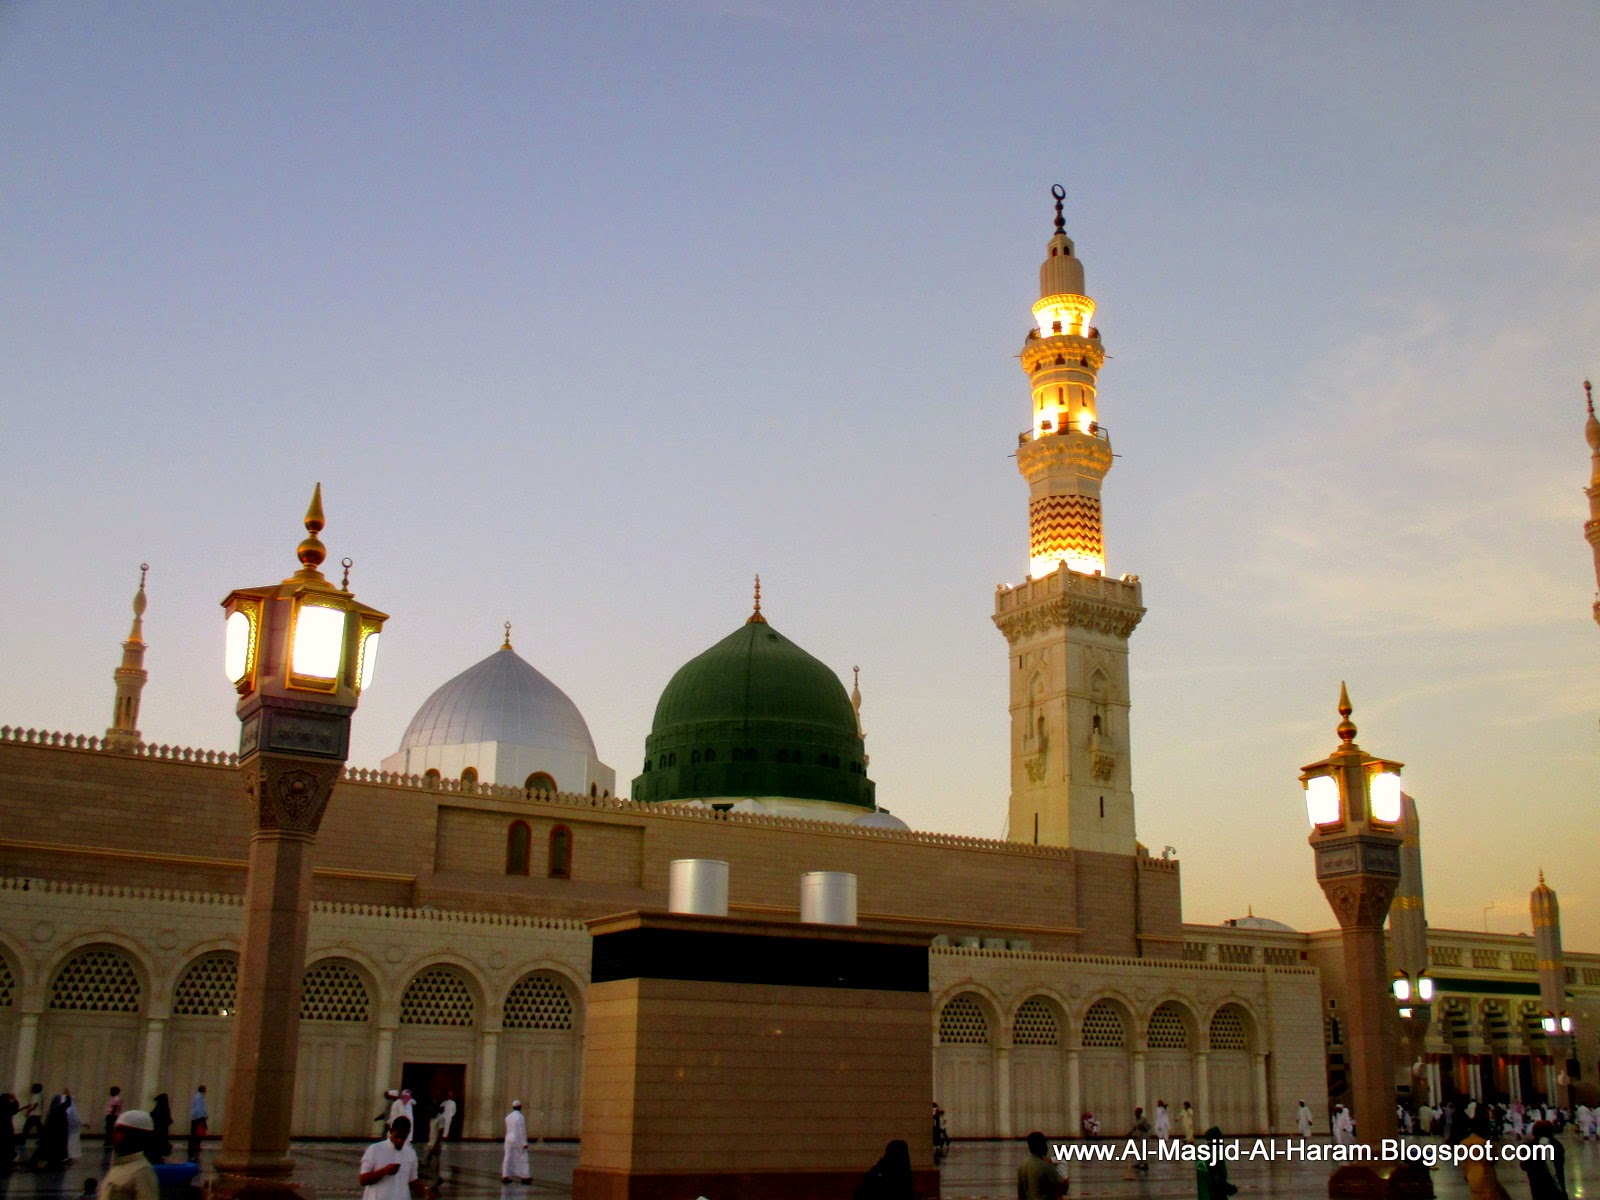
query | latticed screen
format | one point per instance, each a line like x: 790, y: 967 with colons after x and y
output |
x: 1167, y: 1030
x: 333, y: 992
x: 1227, y: 1030
x: 1102, y: 1026
x: 7, y: 984
x: 962, y: 1023
x: 207, y: 988
x: 96, y: 980
x: 438, y: 996
x: 1035, y: 1025
x: 538, y: 1002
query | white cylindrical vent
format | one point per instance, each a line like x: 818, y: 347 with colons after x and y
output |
x: 698, y: 885
x: 828, y: 898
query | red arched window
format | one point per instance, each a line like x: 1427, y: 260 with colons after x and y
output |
x: 561, y: 853
x: 518, y: 844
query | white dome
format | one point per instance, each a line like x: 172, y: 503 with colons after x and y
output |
x: 1255, y: 922
x: 501, y: 699
x: 881, y: 819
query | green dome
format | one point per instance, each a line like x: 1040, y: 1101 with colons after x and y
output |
x: 754, y: 716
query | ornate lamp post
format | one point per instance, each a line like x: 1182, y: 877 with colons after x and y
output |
x: 1413, y: 997
x: 300, y: 653
x: 1353, y: 803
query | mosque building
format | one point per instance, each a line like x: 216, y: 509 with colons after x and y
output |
x: 1064, y: 978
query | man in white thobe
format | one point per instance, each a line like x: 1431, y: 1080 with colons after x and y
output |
x: 1344, y: 1127
x: 1302, y: 1120
x: 514, y: 1166
x: 405, y: 1107
x: 1163, y: 1121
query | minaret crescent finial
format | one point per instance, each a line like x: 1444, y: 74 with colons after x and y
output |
x: 1588, y: 394
x: 139, y: 601
x: 1347, y: 729
x: 506, y: 645
x: 1060, y: 193
x: 756, y: 618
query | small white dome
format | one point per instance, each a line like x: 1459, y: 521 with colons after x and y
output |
x: 1255, y: 922
x: 501, y: 699
x: 881, y: 819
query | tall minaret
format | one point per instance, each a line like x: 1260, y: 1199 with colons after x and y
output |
x: 130, y: 678
x: 1591, y: 527
x: 1408, y: 920
x: 1068, y: 623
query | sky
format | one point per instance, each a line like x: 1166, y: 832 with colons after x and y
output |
x: 583, y: 315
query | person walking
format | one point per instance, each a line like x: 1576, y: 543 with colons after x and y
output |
x: 1344, y: 1126
x: 32, y: 1120
x: 130, y: 1176
x: 1138, y: 1131
x: 160, y: 1141
x: 1482, y: 1182
x: 404, y: 1106
x: 1163, y: 1121
x: 890, y: 1177
x: 9, y: 1108
x: 1186, y: 1121
x: 74, y: 1128
x: 389, y: 1167
x: 52, y: 1149
x: 199, y: 1116
x: 514, y: 1162
x: 443, y: 1120
x: 1211, y: 1172
x: 1037, y: 1177
x: 1547, y: 1180
x: 1303, y: 1119
x: 113, y: 1111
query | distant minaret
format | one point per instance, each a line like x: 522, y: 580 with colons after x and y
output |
x: 130, y: 679
x: 1591, y: 527
x: 1068, y: 624
x: 855, y: 703
x: 1547, y: 946
x: 1408, y: 921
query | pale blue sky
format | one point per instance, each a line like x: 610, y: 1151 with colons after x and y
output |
x: 583, y: 314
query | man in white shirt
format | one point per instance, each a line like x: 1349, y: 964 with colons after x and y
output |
x: 389, y: 1167
x: 442, y: 1121
x: 1302, y: 1120
x: 403, y: 1107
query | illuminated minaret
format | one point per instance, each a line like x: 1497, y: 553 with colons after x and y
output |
x: 1591, y: 527
x: 1068, y: 623
x: 130, y: 679
x: 1546, y: 914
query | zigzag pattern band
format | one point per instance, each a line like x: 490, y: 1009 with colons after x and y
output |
x: 1061, y: 526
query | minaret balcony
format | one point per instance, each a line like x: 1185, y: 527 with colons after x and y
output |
x: 1047, y: 428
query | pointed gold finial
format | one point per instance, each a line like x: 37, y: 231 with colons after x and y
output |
x: 312, y: 551
x: 136, y: 634
x: 1541, y: 876
x: 756, y: 618
x: 506, y: 645
x: 1347, y: 730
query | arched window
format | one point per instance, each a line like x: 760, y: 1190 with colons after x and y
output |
x: 518, y: 839
x: 469, y: 778
x: 208, y: 987
x: 539, y: 781
x: 561, y: 853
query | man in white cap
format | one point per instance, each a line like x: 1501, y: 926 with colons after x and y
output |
x: 130, y: 1176
x: 389, y: 1167
x: 514, y: 1166
x: 403, y: 1107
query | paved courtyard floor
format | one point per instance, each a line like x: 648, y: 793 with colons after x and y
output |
x: 971, y: 1171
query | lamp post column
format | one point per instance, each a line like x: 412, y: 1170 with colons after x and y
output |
x: 299, y: 654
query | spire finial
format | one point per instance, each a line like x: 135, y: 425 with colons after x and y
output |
x: 1541, y: 876
x: 346, y: 563
x: 506, y: 645
x: 756, y: 618
x: 1347, y: 730
x: 1588, y: 395
x: 312, y: 551
x: 857, y: 673
x: 1060, y: 193
x: 139, y: 598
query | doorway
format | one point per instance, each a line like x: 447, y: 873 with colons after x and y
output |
x: 429, y: 1083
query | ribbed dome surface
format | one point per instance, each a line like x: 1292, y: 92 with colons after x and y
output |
x: 501, y: 699
x: 755, y: 674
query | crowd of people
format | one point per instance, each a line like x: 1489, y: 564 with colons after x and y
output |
x: 51, y: 1134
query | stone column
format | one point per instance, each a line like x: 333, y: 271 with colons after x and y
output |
x: 1202, y: 1091
x: 1074, y: 1091
x: 1140, y: 1100
x: 1263, y: 1107
x: 383, y: 1063
x: 155, y: 1036
x: 1002, y: 1089
x: 287, y: 796
x: 489, y: 1114
x: 27, y: 1047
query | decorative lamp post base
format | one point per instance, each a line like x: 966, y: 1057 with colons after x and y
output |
x: 226, y: 1186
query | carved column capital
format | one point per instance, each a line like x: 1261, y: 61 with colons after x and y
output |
x: 1359, y: 901
x: 288, y: 795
